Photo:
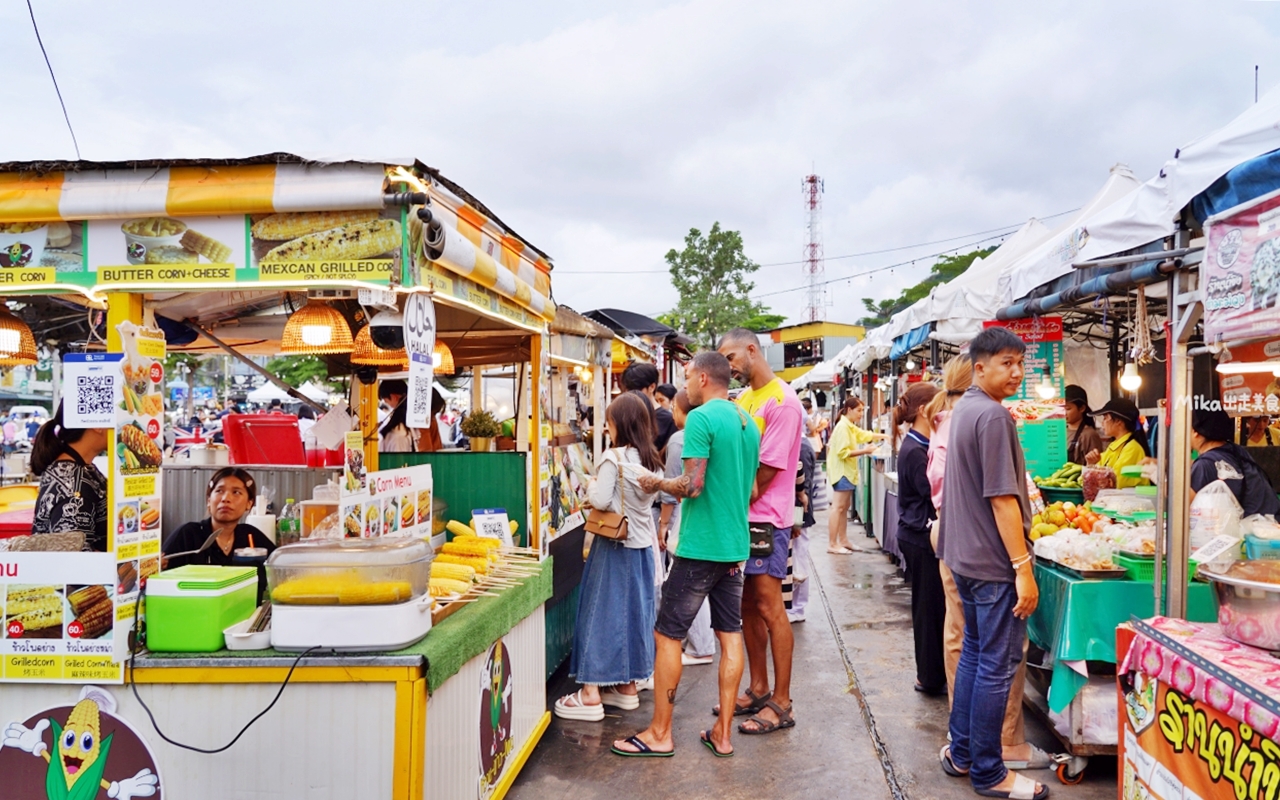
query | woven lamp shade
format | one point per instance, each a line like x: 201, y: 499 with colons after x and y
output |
x: 368, y: 353
x: 305, y: 332
x: 17, y: 345
x: 443, y: 357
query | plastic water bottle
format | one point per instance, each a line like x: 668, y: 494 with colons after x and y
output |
x: 289, y: 525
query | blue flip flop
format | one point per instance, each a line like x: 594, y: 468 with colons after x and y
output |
x: 642, y: 750
x: 706, y: 739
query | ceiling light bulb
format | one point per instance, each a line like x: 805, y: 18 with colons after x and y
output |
x: 1046, y: 389
x: 317, y: 335
x: 911, y: 364
x: 1130, y: 380
x: 10, y: 340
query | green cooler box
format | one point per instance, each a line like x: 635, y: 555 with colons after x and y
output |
x: 188, y: 608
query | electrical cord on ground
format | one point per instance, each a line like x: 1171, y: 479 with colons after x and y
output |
x: 133, y: 652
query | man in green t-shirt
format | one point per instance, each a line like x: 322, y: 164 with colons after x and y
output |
x: 721, y: 453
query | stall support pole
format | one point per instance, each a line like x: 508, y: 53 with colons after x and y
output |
x: 365, y: 396
x: 536, y: 381
x: 598, y: 402
x: 1178, y: 532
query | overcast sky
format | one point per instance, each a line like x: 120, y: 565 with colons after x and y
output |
x: 603, y: 135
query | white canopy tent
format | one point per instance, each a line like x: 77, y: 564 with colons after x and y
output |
x: 269, y: 391
x: 1054, y: 257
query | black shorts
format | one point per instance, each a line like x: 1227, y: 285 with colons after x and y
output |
x: 689, y: 583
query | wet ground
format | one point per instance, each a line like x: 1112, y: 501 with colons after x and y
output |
x: 861, y: 732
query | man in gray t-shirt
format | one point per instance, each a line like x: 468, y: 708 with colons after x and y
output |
x: 982, y: 539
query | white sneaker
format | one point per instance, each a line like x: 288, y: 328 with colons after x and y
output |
x: 795, y: 617
x: 610, y: 696
x: 645, y: 685
x: 690, y: 661
x: 571, y: 707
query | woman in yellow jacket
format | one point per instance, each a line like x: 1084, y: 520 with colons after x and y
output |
x: 1119, y: 419
x: 847, y: 443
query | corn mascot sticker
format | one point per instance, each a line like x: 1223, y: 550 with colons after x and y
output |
x: 81, y: 752
x: 495, y: 716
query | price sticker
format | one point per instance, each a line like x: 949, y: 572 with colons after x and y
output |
x: 1215, y: 547
x: 493, y: 522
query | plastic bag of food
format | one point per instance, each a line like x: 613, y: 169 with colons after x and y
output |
x: 1264, y: 526
x: 1034, y: 496
x: 1214, y: 512
x: 1094, y: 479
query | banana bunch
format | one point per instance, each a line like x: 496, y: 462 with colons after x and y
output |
x: 1067, y: 477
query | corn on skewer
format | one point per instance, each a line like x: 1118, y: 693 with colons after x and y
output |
x: 281, y: 227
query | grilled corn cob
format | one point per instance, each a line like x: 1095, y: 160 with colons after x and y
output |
x: 439, y: 587
x: 48, y: 616
x: 469, y: 549
x: 32, y: 602
x: 356, y: 240
x: 86, y: 597
x: 480, y: 565
x: 458, y: 529
x: 281, y: 227
x: 140, y: 445
x: 453, y: 572
x: 96, y: 618
x: 210, y: 248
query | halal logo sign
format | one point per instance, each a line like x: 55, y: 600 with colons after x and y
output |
x: 419, y: 327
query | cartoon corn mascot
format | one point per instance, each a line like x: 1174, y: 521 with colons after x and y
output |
x: 79, y: 756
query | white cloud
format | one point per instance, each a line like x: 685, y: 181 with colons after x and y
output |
x: 603, y: 134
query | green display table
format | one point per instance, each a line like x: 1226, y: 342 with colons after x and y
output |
x: 1076, y: 621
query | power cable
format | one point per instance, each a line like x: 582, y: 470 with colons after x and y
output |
x: 65, y: 116
x: 835, y: 258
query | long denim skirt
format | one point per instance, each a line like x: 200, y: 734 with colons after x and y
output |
x: 613, y: 637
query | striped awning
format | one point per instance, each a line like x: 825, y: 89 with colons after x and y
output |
x: 190, y: 191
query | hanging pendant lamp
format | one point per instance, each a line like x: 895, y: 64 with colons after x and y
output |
x: 17, y: 344
x: 316, y: 329
x: 442, y: 357
x: 369, y: 354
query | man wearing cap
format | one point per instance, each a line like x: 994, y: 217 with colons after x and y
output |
x: 1119, y: 419
x: 1222, y: 459
x: 1082, y: 433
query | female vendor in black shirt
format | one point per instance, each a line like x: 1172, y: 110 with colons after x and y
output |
x: 230, y: 494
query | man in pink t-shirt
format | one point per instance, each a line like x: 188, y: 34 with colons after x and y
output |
x: 777, y: 411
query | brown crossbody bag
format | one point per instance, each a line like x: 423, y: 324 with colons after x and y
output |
x: 609, y: 524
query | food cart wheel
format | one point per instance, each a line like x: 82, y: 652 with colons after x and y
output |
x: 1072, y: 772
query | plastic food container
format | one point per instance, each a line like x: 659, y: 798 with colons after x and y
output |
x: 188, y: 608
x: 1257, y: 548
x: 360, y: 572
x: 1249, y: 610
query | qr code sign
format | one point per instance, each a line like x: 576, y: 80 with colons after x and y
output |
x: 94, y: 395
x: 421, y: 394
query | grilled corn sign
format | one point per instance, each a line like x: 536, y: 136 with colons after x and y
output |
x: 322, y: 246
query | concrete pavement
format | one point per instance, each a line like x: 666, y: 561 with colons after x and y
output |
x: 861, y: 730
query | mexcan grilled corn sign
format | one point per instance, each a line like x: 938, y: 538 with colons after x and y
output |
x: 81, y: 751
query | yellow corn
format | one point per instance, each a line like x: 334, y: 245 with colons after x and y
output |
x: 280, y: 227
x: 487, y: 541
x: 439, y: 587
x: 86, y: 597
x: 85, y: 718
x: 465, y: 547
x: 210, y: 248
x: 458, y: 529
x: 342, y: 589
x: 375, y: 594
x: 454, y: 572
x: 96, y: 617
x: 480, y: 565
x: 43, y: 617
x: 356, y: 240
x: 34, y: 603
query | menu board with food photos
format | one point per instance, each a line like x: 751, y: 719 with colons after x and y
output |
x: 1042, y: 421
x: 393, y: 502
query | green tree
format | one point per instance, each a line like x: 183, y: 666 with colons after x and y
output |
x: 297, y: 370
x: 710, y: 275
x: 944, y: 269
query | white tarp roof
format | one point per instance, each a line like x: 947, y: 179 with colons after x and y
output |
x: 821, y: 373
x: 269, y: 391
x: 1055, y: 256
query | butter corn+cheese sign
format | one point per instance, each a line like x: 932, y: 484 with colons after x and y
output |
x: 157, y: 251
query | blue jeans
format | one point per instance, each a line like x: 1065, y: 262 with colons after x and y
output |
x: 989, y: 658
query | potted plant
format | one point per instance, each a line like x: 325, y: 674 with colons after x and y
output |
x: 480, y: 427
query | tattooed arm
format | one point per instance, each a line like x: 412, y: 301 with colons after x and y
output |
x: 689, y: 484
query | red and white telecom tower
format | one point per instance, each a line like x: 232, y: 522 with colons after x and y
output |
x: 814, y: 263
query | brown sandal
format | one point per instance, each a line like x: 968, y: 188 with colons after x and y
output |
x: 757, y: 703
x: 763, y: 726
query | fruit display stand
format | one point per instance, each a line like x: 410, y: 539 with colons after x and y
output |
x: 1074, y: 625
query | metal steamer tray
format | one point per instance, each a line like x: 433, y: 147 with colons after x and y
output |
x: 1087, y: 574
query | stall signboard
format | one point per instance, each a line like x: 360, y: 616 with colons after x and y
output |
x: 135, y: 460
x: 1240, y: 275
x: 430, y: 274
x: 419, y: 344
x: 156, y: 251
x: 1042, y: 423
x: 1175, y: 747
x: 570, y: 469
x: 1251, y: 393
x: 394, y: 502
x: 59, y: 618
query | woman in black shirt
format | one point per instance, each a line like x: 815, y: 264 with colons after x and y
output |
x: 73, y: 493
x: 229, y: 495
x: 915, y: 516
x: 1222, y: 459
